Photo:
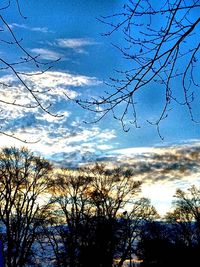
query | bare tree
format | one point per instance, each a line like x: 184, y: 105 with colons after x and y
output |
x: 160, y: 40
x: 69, y: 215
x: 142, y: 212
x: 186, y: 214
x: 24, y: 179
x: 98, y: 216
x: 112, y: 193
x: 174, y: 241
x: 16, y: 68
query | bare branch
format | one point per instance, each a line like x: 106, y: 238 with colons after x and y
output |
x: 161, y: 43
x: 16, y: 68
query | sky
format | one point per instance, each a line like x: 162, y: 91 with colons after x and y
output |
x: 69, y: 30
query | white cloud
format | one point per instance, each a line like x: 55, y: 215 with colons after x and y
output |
x: 61, y: 144
x: 58, y: 137
x: 107, y: 135
x: 47, y: 54
x: 50, y: 119
x: 34, y: 124
x: 77, y: 44
x: 104, y: 147
x: 86, y: 134
x: 55, y: 79
x: 34, y: 29
x: 137, y: 150
x: 50, y: 87
x: 40, y: 29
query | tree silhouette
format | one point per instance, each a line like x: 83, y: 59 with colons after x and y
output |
x: 24, y: 179
x: 70, y: 211
x: 142, y: 213
x: 160, y: 41
x: 155, y: 247
x: 174, y: 241
x: 92, y: 218
x: 186, y: 215
x: 110, y: 194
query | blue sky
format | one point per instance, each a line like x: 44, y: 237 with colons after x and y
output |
x: 69, y: 30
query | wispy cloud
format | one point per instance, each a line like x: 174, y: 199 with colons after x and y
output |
x: 58, y: 79
x: 65, y: 140
x: 162, y: 163
x: 161, y: 169
x: 60, y: 142
x: 50, y: 87
x: 34, y: 29
x: 47, y: 54
x: 77, y: 44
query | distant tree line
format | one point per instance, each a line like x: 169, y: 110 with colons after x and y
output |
x: 89, y: 217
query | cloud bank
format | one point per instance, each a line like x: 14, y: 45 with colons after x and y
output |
x: 66, y: 140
